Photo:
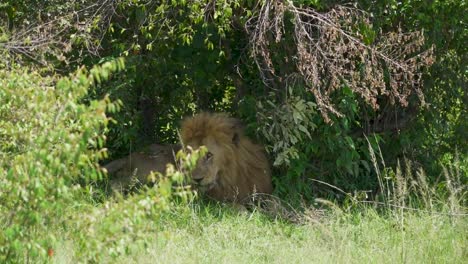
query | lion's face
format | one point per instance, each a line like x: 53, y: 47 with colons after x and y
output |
x: 234, y: 168
x: 206, y: 173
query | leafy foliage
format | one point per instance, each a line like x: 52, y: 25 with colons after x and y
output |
x: 51, y: 141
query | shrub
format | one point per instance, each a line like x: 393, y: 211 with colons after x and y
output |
x: 50, y: 141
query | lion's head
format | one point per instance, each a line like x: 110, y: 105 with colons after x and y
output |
x: 234, y: 167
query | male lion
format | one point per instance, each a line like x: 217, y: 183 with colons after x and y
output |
x: 234, y: 168
x: 138, y: 165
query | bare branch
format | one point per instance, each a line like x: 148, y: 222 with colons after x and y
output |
x: 333, y: 50
x: 55, y: 35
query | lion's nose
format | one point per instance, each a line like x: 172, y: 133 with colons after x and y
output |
x: 198, y: 180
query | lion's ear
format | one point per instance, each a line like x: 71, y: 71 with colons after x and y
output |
x: 236, y: 139
x: 237, y: 127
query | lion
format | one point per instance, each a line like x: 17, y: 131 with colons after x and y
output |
x: 136, y: 167
x: 234, y: 168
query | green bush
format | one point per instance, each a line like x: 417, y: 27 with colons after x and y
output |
x: 51, y: 140
x: 52, y: 137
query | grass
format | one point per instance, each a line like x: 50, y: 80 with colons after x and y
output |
x: 220, y: 234
x: 413, y: 223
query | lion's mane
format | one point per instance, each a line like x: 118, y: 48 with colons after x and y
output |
x: 244, y: 168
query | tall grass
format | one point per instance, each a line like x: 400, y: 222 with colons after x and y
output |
x: 406, y: 188
x: 214, y: 233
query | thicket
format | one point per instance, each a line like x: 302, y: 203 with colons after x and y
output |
x: 338, y: 93
x: 50, y: 142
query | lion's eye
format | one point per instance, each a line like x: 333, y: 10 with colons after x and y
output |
x: 209, y: 155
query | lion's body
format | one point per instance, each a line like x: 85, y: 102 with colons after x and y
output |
x: 137, y: 166
x: 237, y: 169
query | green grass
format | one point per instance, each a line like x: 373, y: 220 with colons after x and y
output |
x: 221, y: 234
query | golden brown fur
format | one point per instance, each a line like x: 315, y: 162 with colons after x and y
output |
x: 235, y: 168
x: 136, y: 167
